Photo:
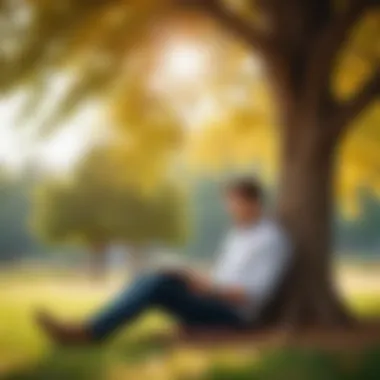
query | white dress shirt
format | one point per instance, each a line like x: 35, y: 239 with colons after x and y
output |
x: 254, y: 258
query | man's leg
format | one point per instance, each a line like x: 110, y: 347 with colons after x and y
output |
x: 166, y: 291
x: 171, y: 293
x: 201, y: 310
x: 145, y: 292
x: 136, y: 298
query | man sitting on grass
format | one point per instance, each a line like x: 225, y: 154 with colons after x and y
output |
x: 252, y: 263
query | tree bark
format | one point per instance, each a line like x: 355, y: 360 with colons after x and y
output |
x: 305, y: 207
x: 299, y: 46
x: 312, y: 125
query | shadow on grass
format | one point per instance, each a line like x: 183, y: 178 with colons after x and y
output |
x: 64, y: 364
x: 89, y: 363
x: 141, y: 349
x: 304, y: 365
x: 292, y: 364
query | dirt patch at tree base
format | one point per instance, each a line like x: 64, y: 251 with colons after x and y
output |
x: 363, y: 336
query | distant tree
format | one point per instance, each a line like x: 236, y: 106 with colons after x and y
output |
x: 208, y: 220
x: 15, y: 238
x: 361, y: 233
x: 99, y: 205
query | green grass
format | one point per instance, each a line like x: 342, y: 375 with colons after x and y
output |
x: 25, y: 354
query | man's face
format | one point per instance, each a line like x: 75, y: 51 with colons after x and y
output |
x: 241, y: 209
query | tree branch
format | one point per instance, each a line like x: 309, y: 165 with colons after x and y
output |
x: 273, y: 53
x: 352, y: 108
x: 235, y: 24
x: 328, y: 46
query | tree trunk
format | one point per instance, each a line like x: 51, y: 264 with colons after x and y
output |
x: 305, y: 207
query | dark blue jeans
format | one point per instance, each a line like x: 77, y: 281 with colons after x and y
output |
x: 170, y: 293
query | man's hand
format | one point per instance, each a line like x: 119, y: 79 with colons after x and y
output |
x: 202, y: 285
x: 197, y: 283
x: 233, y: 295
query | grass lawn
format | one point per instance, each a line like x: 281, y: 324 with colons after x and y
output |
x: 26, y: 354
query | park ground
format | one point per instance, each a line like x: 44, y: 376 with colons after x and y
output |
x: 25, y: 354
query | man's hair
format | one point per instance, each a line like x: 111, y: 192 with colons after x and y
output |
x: 249, y: 189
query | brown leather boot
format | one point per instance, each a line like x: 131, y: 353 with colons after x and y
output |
x: 62, y: 333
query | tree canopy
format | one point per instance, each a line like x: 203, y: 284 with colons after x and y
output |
x: 110, y: 50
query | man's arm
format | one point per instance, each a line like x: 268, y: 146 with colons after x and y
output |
x: 261, y: 274
x: 202, y: 285
x: 232, y: 294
